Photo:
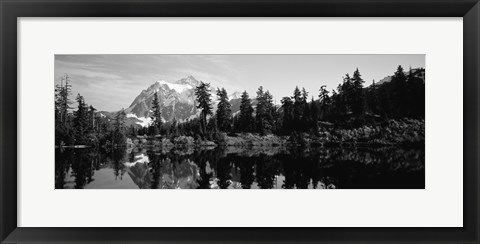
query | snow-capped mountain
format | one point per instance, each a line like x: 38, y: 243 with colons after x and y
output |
x: 235, y: 95
x: 177, y: 100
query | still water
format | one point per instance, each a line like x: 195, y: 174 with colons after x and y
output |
x: 237, y: 168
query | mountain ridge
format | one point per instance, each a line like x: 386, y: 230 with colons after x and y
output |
x: 177, y: 101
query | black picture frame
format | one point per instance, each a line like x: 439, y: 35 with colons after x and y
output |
x: 10, y: 10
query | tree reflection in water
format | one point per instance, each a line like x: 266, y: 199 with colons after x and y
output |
x: 234, y: 168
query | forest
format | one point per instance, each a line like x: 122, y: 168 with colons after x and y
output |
x: 386, y: 113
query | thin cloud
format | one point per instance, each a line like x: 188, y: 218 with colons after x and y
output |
x: 110, y: 82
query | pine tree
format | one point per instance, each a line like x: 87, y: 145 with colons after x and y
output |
x: 212, y: 128
x: 245, y: 118
x: 324, y: 101
x: 58, y: 102
x: 344, y: 96
x: 417, y: 93
x: 264, y: 116
x: 307, y: 117
x: 271, y: 111
x: 81, y: 120
x: 91, y: 117
x: 224, y: 112
x: 400, y: 93
x: 304, y: 95
x: 357, y: 97
x: 315, y: 114
x: 157, y: 114
x: 410, y: 104
x: 204, y: 100
x: 372, y: 99
x: 298, y: 108
x: 260, y: 111
x: 118, y: 135
x: 64, y: 102
x: 120, y: 120
x: 287, y: 105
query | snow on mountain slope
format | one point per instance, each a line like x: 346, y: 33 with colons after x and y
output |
x: 177, y: 101
x: 143, y: 121
x: 177, y: 87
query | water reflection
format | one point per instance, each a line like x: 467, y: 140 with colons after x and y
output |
x: 236, y: 168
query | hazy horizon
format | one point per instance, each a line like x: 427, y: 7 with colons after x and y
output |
x: 111, y: 82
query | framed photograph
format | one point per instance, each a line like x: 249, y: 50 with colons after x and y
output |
x: 279, y: 121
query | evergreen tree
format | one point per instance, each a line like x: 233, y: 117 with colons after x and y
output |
x: 345, y: 94
x: 91, y: 117
x: 307, y: 121
x: 224, y: 112
x: 357, y: 98
x: 416, y: 93
x: 260, y: 110
x: 304, y: 95
x: 298, y: 108
x: 324, y: 101
x: 400, y: 93
x: 245, y: 117
x: 212, y: 129
x: 204, y: 100
x: 64, y: 132
x: 297, y: 105
x: 372, y: 99
x: 287, y: 105
x: 81, y: 120
x: 120, y: 120
x: 157, y: 114
x: 58, y: 102
x: 264, y: 116
x: 271, y: 111
x: 118, y: 135
x: 315, y: 114
x: 64, y: 103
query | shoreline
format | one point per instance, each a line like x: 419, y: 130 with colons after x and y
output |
x: 393, y: 133
x: 405, y: 133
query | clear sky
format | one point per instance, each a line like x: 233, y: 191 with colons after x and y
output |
x: 111, y: 82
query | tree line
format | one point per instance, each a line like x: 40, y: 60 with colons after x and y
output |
x: 83, y: 126
x: 351, y: 105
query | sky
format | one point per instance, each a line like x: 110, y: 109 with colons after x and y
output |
x: 111, y: 82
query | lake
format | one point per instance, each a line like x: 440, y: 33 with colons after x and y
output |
x: 241, y: 168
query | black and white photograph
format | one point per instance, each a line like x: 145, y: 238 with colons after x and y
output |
x: 239, y: 121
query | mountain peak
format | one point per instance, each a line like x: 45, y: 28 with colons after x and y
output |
x: 155, y: 85
x: 177, y: 100
x: 235, y: 95
x: 189, y: 80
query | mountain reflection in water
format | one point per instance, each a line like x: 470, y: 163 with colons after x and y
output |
x: 236, y: 168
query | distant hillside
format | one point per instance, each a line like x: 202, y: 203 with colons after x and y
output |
x: 417, y: 72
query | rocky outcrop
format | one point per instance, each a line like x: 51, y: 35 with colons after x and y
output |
x: 252, y: 140
x: 184, y: 141
x: 152, y: 142
x: 392, y: 132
